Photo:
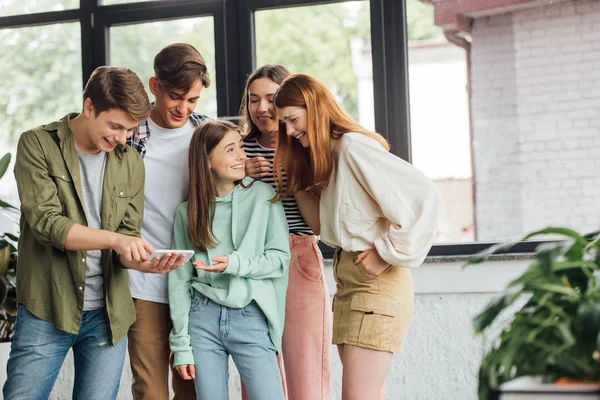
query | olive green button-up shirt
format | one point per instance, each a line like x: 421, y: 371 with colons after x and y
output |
x: 51, y: 279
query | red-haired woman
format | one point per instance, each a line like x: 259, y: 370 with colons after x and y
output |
x: 378, y: 211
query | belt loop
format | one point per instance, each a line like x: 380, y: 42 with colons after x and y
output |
x: 336, y: 255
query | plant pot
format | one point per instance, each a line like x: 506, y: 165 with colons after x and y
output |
x: 532, y: 388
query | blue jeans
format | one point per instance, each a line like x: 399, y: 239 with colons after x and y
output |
x: 38, y: 351
x: 216, y: 332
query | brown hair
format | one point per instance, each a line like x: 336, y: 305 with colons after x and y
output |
x: 276, y: 73
x: 202, y: 195
x: 307, y: 168
x: 180, y: 66
x: 115, y: 87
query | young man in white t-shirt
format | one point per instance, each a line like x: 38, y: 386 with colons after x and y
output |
x: 163, y: 140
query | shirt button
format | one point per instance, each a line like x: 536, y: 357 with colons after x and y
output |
x: 120, y: 193
x: 83, y: 260
x: 63, y: 177
x: 80, y: 287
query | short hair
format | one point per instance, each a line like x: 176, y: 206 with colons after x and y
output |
x: 180, y: 66
x: 115, y: 87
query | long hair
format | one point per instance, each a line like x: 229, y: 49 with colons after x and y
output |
x: 276, y: 73
x: 308, y: 168
x: 202, y: 195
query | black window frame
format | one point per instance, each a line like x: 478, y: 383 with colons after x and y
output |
x: 235, y: 59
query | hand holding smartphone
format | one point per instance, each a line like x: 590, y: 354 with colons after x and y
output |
x: 163, y: 252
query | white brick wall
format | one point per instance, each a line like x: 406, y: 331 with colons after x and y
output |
x: 536, y: 119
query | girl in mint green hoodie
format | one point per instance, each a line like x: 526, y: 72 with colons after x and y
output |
x: 229, y: 299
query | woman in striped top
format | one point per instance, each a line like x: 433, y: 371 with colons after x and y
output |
x: 306, y: 335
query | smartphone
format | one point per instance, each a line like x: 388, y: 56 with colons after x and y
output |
x: 163, y: 252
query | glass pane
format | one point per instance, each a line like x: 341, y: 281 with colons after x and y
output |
x: 16, y: 7
x: 505, y: 115
x: 440, y: 144
x: 135, y: 46
x: 42, y: 82
x: 332, y: 42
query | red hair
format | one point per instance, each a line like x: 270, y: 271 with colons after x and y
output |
x: 308, y: 168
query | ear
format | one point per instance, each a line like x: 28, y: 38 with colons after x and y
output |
x: 153, y: 85
x: 88, y: 108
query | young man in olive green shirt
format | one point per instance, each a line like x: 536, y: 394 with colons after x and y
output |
x: 81, y: 190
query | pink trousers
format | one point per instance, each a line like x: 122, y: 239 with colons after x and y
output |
x: 305, y: 359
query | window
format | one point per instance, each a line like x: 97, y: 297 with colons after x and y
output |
x: 113, y: 2
x: 136, y: 45
x: 332, y: 42
x: 41, y: 66
x: 15, y: 7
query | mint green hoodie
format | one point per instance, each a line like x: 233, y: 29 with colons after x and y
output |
x: 253, y: 233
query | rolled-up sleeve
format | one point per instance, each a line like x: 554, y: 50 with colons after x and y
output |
x: 38, y: 194
x: 408, y: 200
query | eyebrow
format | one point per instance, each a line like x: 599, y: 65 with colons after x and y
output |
x: 117, y: 125
x: 230, y: 144
x: 257, y: 95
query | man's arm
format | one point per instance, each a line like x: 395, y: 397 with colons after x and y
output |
x: 38, y: 194
x: 43, y: 210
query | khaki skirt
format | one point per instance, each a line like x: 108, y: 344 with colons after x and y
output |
x: 372, y: 312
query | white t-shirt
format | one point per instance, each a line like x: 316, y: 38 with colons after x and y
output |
x: 166, y: 163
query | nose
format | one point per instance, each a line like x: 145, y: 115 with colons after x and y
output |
x: 121, y: 138
x: 263, y: 105
x: 181, y: 107
x: 289, y: 129
x: 241, y: 155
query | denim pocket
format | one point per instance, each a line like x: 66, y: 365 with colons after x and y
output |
x: 198, y: 301
x: 252, y: 310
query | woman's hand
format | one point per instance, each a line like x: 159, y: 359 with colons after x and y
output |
x: 187, y: 372
x: 221, y: 263
x: 372, y: 261
x: 257, y: 167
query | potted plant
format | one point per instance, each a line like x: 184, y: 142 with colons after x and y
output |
x: 555, y: 334
x: 8, y: 267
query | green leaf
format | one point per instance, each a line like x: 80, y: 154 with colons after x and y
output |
x: 489, y: 314
x: 553, y: 230
x: 483, y: 255
x: 11, y: 236
x: 4, y: 162
x: 588, y: 320
x: 547, y: 254
x: 4, y: 204
x: 549, y: 287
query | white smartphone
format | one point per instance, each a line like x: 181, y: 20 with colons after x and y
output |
x: 163, y: 252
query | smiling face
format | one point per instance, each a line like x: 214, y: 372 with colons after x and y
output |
x: 296, y: 123
x: 227, y: 159
x: 260, y: 104
x: 106, y: 130
x: 173, y: 107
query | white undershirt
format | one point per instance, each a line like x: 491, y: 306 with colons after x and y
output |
x: 166, y: 163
